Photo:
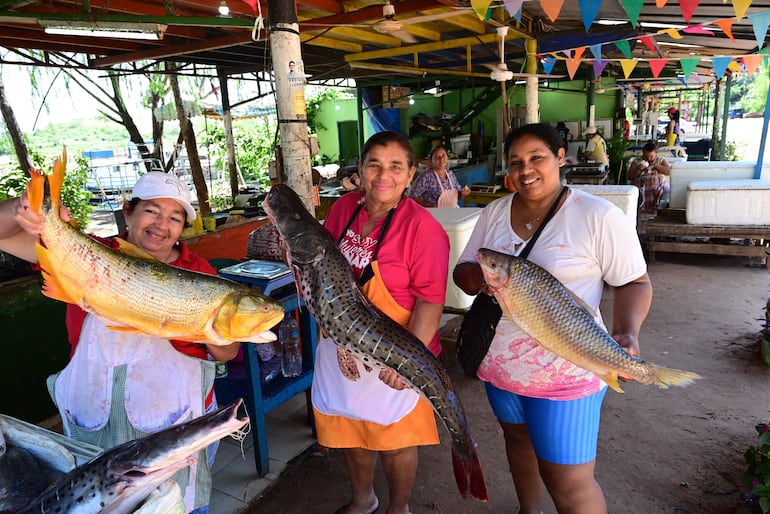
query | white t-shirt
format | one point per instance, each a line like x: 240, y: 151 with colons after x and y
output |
x: 589, y: 241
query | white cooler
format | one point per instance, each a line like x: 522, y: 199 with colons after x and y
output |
x: 458, y: 223
x: 625, y: 197
x: 728, y: 202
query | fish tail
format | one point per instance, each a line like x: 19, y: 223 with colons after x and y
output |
x: 666, y: 377
x: 56, y: 179
x: 468, y: 473
x: 36, y: 189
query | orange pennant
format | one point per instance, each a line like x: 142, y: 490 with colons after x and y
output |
x: 552, y: 8
x: 753, y: 62
x: 579, y: 52
x: 727, y: 27
x: 660, y: 3
x: 628, y: 66
x: 572, y: 67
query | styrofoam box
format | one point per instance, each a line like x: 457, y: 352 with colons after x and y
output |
x: 458, y: 223
x: 728, y: 202
x: 625, y: 197
x: 83, y: 452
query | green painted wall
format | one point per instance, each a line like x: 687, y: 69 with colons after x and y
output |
x: 568, y: 103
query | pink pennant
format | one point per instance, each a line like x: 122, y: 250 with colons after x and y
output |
x: 727, y: 27
x: 647, y: 41
x: 552, y: 8
x: 753, y: 62
x: 697, y: 29
x: 657, y: 65
x: 688, y: 8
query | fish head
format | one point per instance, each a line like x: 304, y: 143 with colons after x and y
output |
x: 247, y: 316
x: 301, y: 233
x: 496, y: 267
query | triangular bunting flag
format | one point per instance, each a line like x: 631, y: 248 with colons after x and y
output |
x: 481, y: 8
x: 734, y: 66
x: 596, y: 51
x: 628, y: 66
x: 752, y: 62
x: 760, y: 21
x: 572, y: 67
x: 588, y: 11
x: 740, y: 7
x: 672, y: 32
x: 657, y: 65
x: 579, y: 52
x: 552, y: 8
x: 660, y: 3
x: 599, y: 67
x: 633, y: 8
x: 688, y: 65
x: 726, y: 25
x: 648, y: 42
x: 698, y: 29
x: 720, y: 65
x: 688, y: 8
x: 548, y: 63
x: 514, y: 8
x: 624, y: 47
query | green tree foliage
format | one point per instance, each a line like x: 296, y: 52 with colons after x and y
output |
x: 751, y: 92
x: 313, y: 103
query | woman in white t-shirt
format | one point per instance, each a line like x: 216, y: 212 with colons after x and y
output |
x: 549, y: 408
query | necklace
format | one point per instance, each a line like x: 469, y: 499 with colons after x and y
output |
x: 529, y: 224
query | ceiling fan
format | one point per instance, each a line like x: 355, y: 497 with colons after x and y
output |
x: 390, y: 25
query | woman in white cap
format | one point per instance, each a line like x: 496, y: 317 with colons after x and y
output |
x: 120, y: 386
x: 596, y: 148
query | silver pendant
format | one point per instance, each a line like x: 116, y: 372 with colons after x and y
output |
x: 528, y: 225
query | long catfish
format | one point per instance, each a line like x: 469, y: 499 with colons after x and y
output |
x: 327, y: 285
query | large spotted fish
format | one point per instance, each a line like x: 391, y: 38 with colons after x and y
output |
x: 327, y: 285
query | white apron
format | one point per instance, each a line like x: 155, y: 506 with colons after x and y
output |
x: 448, y: 197
x: 119, y: 387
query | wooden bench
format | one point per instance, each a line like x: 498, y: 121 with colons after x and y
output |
x: 661, y: 234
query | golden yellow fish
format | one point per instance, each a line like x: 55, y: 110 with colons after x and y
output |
x: 132, y: 291
x: 543, y: 308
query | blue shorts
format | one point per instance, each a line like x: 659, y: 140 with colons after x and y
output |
x: 562, y: 432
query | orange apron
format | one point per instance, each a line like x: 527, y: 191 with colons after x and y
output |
x: 368, y: 413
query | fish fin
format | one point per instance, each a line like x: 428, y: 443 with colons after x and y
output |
x: 121, y: 328
x: 611, y: 379
x: 347, y: 364
x: 52, y: 288
x: 134, y: 251
x: 581, y: 303
x: 56, y: 179
x: 36, y: 189
x: 665, y: 377
x: 469, y: 475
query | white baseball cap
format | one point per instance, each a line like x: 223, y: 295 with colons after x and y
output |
x: 157, y: 184
x: 590, y: 130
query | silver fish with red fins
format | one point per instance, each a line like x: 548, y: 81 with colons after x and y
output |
x: 543, y: 308
x: 329, y: 289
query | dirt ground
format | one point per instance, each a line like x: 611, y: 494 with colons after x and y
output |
x: 660, y: 451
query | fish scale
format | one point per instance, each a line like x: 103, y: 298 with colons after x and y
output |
x: 545, y: 310
x: 327, y: 286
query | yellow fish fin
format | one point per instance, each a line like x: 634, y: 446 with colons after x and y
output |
x: 611, y: 379
x: 36, y: 189
x: 133, y: 251
x: 665, y: 377
x: 121, y: 328
x: 56, y: 179
x: 52, y: 288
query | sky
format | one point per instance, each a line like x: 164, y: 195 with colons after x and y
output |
x: 59, y: 106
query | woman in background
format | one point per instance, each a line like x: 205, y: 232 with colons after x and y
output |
x: 438, y: 186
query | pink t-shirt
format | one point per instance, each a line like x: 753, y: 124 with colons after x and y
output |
x: 413, y: 256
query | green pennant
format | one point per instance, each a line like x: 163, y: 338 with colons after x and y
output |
x: 688, y: 65
x: 633, y: 8
x: 624, y: 47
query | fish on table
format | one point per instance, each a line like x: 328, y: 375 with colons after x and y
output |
x: 327, y: 285
x: 544, y: 309
x: 122, y: 478
x: 134, y: 292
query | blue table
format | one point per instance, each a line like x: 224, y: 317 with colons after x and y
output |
x: 262, y: 398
